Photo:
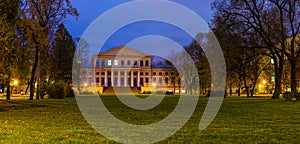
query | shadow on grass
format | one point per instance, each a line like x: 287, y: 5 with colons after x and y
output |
x: 20, y: 105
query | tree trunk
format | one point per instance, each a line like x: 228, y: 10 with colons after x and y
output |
x: 246, y: 86
x: 239, y: 85
x: 31, y: 83
x: 293, y: 76
x: 230, y: 91
x: 8, y: 88
x: 37, y: 95
x: 27, y: 88
x: 252, y: 89
x: 278, y: 77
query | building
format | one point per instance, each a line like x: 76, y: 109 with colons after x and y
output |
x: 122, y: 68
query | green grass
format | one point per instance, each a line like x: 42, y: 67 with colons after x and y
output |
x: 240, y: 120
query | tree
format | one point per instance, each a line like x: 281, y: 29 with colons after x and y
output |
x: 8, y: 42
x: 255, y: 64
x: 61, y: 56
x: 172, y: 61
x: 42, y: 19
x: 197, y: 54
x: 81, y: 58
x: 262, y: 24
x: 230, y: 42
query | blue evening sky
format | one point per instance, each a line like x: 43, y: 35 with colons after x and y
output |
x: 89, y: 10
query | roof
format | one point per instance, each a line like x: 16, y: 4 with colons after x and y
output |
x: 90, y: 65
x: 162, y: 66
x: 122, y: 50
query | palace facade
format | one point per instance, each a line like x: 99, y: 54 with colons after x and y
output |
x: 123, y: 68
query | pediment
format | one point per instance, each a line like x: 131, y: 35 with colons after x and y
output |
x: 124, y: 51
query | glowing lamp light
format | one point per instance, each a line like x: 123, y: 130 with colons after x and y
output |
x: 16, y: 82
x: 264, y: 82
x: 85, y: 84
x: 154, y: 84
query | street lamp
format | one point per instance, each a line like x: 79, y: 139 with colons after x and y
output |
x: 16, y: 82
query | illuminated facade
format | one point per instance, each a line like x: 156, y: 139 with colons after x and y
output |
x: 124, y: 67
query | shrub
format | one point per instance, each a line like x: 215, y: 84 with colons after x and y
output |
x: 56, y: 90
x: 169, y: 93
x: 43, y: 89
x: 290, y: 95
x: 59, y: 90
x: 68, y: 91
x: 147, y: 92
x: 297, y: 96
x: 287, y: 96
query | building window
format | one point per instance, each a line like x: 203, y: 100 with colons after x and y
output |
x: 147, y: 73
x: 154, y: 79
x: 109, y: 62
x: 97, y: 73
x: 115, y: 73
x: 141, y: 81
x: 128, y: 62
x: 147, y: 63
x: 141, y: 73
x: 160, y: 81
x: 90, y: 73
x: 166, y: 81
x: 103, y: 62
x: 97, y: 63
x: 135, y: 63
x: 135, y: 73
x: 116, y: 63
x: 160, y: 73
x: 147, y: 80
x: 122, y: 62
x: 97, y: 80
x: 102, y: 81
x: 154, y: 73
x: 102, y: 73
x: 166, y: 73
x: 90, y: 81
x: 141, y: 63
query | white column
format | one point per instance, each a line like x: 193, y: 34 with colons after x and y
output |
x: 112, y: 78
x: 138, y: 80
x: 119, y: 79
x: 105, y: 79
x: 125, y: 78
x: 131, y: 78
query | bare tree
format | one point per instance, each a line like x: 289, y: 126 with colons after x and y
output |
x: 263, y: 24
x: 42, y: 19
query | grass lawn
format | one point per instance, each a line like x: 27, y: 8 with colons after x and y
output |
x: 240, y: 120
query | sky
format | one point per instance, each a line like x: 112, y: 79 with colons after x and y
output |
x: 89, y: 10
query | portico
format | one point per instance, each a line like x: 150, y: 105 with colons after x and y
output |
x: 121, y: 78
